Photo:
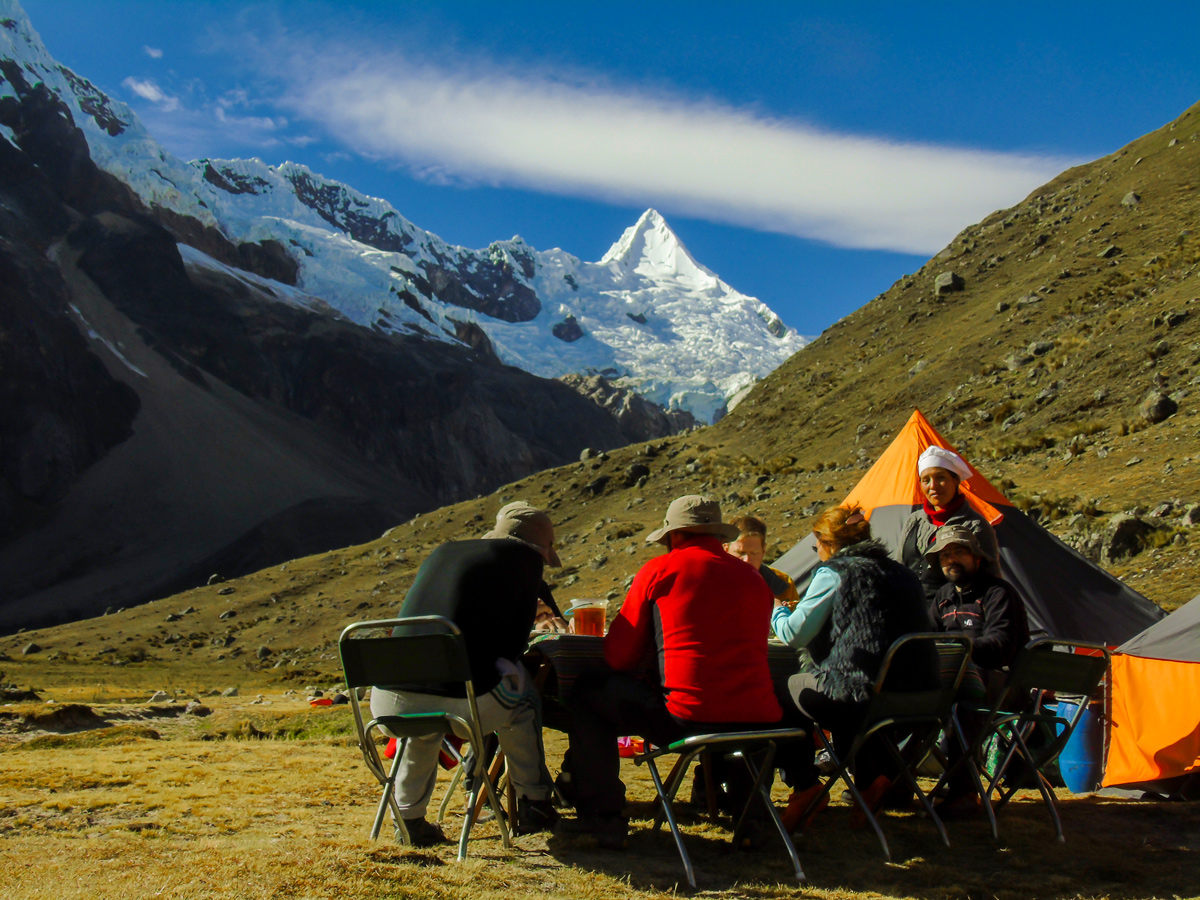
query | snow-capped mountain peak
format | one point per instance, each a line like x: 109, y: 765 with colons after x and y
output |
x: 647, y: 315
x: 651, y: 247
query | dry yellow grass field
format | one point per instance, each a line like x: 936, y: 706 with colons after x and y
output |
x: 161, y: 805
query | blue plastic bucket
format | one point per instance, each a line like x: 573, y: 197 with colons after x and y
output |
x: 1081, y: 762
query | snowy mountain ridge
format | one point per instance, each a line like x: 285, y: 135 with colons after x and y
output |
x: 647, y: 315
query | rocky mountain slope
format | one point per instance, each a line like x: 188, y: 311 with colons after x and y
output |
x: 213, y: 366
x: 167, y: 414
x: 1075, y: 307
x: 647, y: 315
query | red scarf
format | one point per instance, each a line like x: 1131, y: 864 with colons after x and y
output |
x: 939, y: 516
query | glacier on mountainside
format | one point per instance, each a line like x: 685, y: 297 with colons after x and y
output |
x: 647, y: 315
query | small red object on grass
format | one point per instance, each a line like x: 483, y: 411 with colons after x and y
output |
x: 630, y: 746
x: 321, y: 701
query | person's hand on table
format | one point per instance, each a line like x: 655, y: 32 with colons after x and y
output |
x: 550, y: 624
x: 545, y: 622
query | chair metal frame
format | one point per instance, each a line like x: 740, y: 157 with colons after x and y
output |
x: 1044, y: 666
x: 743, y: 745
x: 418, y: 651
x: 925, y: 713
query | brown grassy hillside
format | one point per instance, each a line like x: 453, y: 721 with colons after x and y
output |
x: 1076, y: 303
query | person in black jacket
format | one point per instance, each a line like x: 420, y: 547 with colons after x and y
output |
x: 976, y: 602
x: 491, y: 589
x: 991, y: 612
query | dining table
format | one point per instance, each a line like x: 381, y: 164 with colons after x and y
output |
x: 559, y: 659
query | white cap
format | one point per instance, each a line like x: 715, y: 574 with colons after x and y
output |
x: 937, y: 458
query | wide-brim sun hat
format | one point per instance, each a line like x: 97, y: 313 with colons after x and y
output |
x: 527, y: 524
x: 694, y: 514
x: 955, y: 534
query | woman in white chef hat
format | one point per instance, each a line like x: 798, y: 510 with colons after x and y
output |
x: 941, y: 472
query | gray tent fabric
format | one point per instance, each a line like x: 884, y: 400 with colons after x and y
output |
x: 1066, y: 595
x: 1177, y: 637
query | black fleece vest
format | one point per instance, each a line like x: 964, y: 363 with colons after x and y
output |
x: 878, y: 601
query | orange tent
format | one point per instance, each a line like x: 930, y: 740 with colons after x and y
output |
x: 1066, y: 595
x: 1155, y: 722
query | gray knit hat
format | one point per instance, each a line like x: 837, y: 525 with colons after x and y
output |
x: 528, y: 524
x: 696, y: 515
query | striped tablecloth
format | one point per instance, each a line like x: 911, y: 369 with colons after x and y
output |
x: 570, y: 655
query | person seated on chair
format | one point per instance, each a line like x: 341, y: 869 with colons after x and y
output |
x: 705, y: 614
x: 976, y: 602
x: 490, y: 589
x: 991, y: 612
x: 858, y: 603
x: 940, y: 473
x: 750, y: 547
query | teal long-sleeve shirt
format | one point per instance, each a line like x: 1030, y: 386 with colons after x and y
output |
x: 798, y: 627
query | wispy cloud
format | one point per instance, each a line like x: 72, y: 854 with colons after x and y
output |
x: 152, y: 52
x: 148, y: 89
x: 192, y: 124
x: 567, y: 135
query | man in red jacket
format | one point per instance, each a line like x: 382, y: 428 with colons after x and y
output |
x: 705, y: 614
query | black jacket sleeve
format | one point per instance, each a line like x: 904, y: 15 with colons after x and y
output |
x: 1005, y: 629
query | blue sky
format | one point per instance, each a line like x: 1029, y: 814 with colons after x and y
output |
x: 809, y: 153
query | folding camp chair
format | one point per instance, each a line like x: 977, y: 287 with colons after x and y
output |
x: 743, y: 745
x: 920, y: 714
x: 418, y: 651
x: 1044, y: 666
x: 497, y: 771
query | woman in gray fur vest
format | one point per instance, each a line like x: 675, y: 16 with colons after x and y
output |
x: 858, y: 603
x: 941, y: 472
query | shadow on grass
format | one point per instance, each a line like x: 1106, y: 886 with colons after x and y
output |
x: 1117, y: 849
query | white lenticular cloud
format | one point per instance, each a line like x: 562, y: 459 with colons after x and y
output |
x: 152, y: 52
x: 680, y: 155
x: 147, y: 89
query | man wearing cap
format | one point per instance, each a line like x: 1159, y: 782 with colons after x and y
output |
x: 940, y: 472
x: 490, y: 589
x: 991, y: 612
x: 976, y: 602
x: 705, y: 615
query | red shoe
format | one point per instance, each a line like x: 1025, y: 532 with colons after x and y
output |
x: 873, y: 796
x: 799, y: 802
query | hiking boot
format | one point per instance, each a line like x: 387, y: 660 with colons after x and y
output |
x: 424, y: 834
x: 610, y: 832
x: 799, y: 802
x: 535, y: 815
x: 873, y: 796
